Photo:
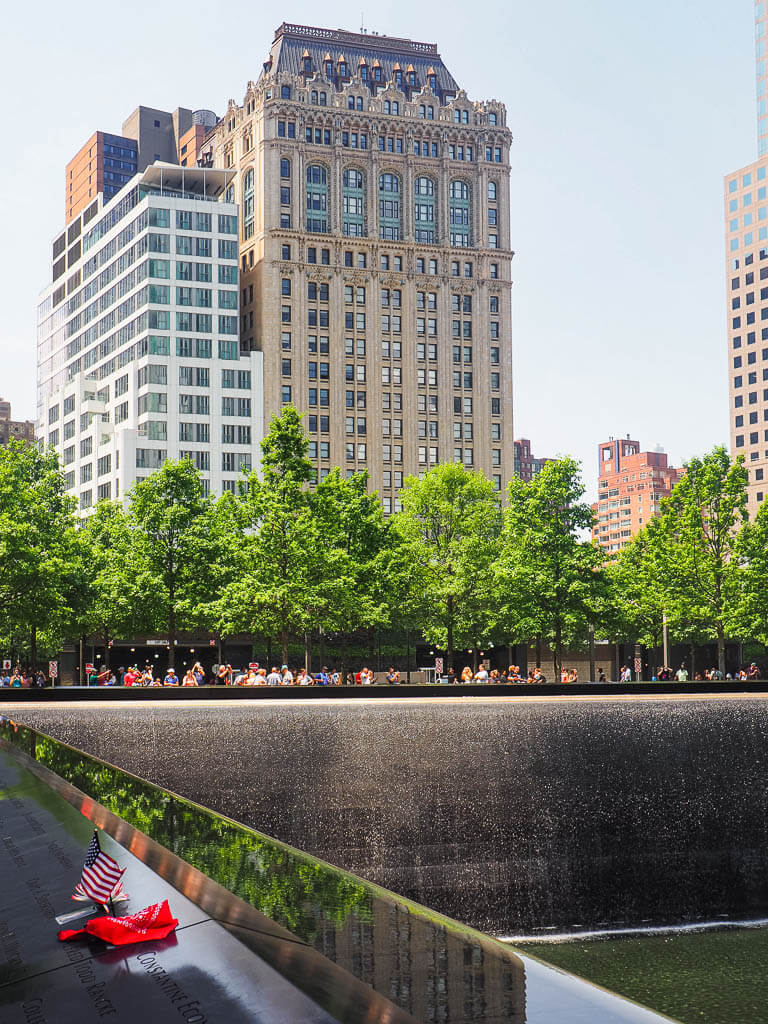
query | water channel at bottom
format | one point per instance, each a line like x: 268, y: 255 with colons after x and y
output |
x: 717, y: 975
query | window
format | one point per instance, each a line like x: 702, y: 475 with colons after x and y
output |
x: 317, y: 198
x: 389, y: 207
x: 248, y: 203
x: 424, y: 210
x: 353, y: 204
x: 459, y: 213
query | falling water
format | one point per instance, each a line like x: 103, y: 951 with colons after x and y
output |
x: 518, y: 818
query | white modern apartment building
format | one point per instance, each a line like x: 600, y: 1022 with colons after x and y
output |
x: 138, y: 348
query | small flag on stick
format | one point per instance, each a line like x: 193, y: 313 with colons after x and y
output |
x: 100, y: 880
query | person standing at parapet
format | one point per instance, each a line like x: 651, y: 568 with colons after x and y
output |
x: 682, y: 674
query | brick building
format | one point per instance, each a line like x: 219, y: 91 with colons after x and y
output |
x: 106, y: 163
x: 630, y: 487
x: 375, y: 253
x: 526, y: 464
x: 10, y: 429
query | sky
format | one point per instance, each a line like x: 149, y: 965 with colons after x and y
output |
x: 625, y: 117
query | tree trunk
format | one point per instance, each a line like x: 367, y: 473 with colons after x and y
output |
x: 474, y: 661
x: 693, y: 661
x: 558, y: 658
x: 33, y: 647
x: 449, y: 646
x: 408, y: 656
x: 171, y: 635
x: 721, y: 646
x: 106, y: 652
x: 538, y: 652
x: 283, y: 647
x: 307, y: 651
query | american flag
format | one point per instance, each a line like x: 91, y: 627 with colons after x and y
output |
x: 101, y: 877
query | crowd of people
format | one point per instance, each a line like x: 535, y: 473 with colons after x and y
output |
x: 23, y: 678
x: 256, y: 675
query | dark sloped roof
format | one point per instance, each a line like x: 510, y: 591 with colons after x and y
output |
x: 291, y: 42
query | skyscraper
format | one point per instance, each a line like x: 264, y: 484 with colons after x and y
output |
x: 631, y: 485
x: 138, y: 351
x: 746, y: 233
x: 375, y: 253
x: 105, y: 163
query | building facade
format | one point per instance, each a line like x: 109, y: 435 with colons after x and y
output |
x: 630, y: 487
x: 527, y: 466
x: 746, y: 241
x: 14, y: 430
x: 106, y: 163
x: 375, y: 253
x: 138, y: 352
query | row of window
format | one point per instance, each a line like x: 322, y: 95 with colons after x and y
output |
x: 317, y: 207
x: 387, y: 262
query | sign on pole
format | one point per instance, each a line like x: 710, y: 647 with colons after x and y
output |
x: 439, y: 666
x: 53, y: 669
x: 6, y: 664
x: 638, y: 665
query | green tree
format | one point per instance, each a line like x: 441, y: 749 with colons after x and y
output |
x: 451, y: 523
x: 636, y: 595
x: 174, y: 546
x: 357, y: 590
x: 110, y: 601
x: 550, y: 579
x: 37, y: 542
x: 751, y: 610
x: 698, y: 546
x: 283, y: 561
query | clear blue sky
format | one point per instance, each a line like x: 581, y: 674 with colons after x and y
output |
x: 625, y: 117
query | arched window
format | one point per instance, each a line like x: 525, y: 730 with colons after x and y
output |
x: 395, y: 107
x: 313, y: 96
x: 432, y: 79
x: 307, y: 65
x: 285, y: 92
x: 329, y: 69
x: 363, y: 73
x: 422, y: 110
x: 354, y: 203
x: 492, y: 191
x: 389, y: 207
x: 317, y: 198
x: 424, y: 210
x: 323, y: 99
x: 430, y: 113
x: 248, y: 203
x: 492, y: 119
x: 387, y: 107
x: 398, y: 78
x: 285, y: 167
x: 460, y: 213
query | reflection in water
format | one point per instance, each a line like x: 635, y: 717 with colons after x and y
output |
x: 432, y: 967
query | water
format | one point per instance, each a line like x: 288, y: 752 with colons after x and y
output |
x: 516, y: 818
x: 717, y: 976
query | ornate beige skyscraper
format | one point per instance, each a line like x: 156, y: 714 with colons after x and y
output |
x: 375, y: 253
